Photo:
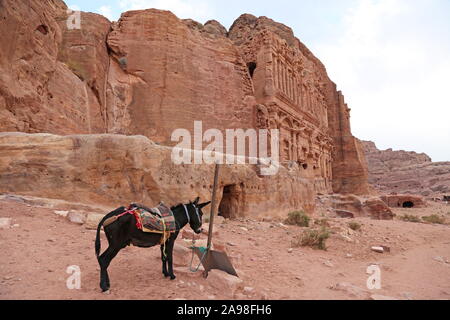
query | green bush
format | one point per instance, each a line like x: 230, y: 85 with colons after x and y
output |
x: 434, y: 219
x: 315, y: 239
x: 355, y: 226
x: 410, y: 218
x: 298, y: 218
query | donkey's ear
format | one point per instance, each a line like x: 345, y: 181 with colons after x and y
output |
x: 196, y: 200
x: 204, y: 204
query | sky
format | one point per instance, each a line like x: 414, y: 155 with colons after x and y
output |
x: 390, y: 58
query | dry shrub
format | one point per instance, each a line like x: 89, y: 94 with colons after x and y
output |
x: 355, y: 226
x: 410, y: 218
x: 434, y: 219
x: 298, y: 218
x: 313, y: 238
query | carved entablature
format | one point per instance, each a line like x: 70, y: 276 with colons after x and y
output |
x: 290, y: 91
x: 295, y: 80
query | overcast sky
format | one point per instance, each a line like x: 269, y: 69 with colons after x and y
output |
x: 391, y: 58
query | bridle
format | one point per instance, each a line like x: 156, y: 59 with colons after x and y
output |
x: 187, y: 213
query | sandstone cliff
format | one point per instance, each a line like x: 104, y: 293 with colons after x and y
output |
x: 406, y: 172
x: 151, y: 73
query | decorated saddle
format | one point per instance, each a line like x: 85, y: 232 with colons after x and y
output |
x: 156, y: 220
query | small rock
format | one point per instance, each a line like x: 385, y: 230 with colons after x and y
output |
x: 76, y: 217
x: 5, y: 223
x: 348, y: 255
x: 61, y: 213
x: 290, y: 250
x: 439, y: 259
x: 249, y: 290
x: 16, y: 225
x: 328, y: 264
x: 346, y: 238
x: 378, y: 249
x: 231, y: 244
x: 244, y: 229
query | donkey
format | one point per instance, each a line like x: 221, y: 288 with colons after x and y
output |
x: 123, y: 232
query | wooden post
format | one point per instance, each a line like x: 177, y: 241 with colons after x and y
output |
x: 213, y: 205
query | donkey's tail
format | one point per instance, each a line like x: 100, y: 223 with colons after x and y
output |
x: 110, y: 215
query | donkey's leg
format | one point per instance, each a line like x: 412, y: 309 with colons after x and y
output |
x: 164, y: 261
x: 169, y: 246
x: 104, y: 260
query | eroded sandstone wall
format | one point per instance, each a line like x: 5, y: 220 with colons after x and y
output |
x: 51, y: 78
x: 406, y: 172
x: 296, y: 96
x: 149, y: 74
x: 116, y: 170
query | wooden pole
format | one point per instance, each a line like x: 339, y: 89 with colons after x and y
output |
x: 213, y: 205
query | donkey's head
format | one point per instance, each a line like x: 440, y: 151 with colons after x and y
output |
x: 195, y: 214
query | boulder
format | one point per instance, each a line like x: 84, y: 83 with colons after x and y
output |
x: 377, y: 209
x: 182, y: 256
x: 224, y: 283
x: 92, y: 221
x: 76, y: 217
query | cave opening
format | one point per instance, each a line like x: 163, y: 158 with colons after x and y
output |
x: 408, y: 204
x: 251, y: 68
x: 229, y: 205
x: 42, y: 29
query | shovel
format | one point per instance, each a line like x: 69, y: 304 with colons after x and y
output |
x: 212, y: 259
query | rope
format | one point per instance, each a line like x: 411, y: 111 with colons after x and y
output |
x: 192, y: 257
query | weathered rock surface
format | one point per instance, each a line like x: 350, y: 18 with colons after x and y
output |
x: 225, y: 283
x: 351, y: 206
x: 92, y: 221
x: 295, y: 95
x: 405, y: 172
x: 115, y: 170
x: 149, y: 74
x: 404, y: 201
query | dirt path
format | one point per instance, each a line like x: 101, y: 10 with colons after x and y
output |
x: 36, y: 254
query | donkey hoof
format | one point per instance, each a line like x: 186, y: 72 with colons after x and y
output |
x: 173, y: 277
x: 107, y: 292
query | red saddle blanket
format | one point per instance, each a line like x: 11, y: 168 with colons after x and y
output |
x: 156, y: 220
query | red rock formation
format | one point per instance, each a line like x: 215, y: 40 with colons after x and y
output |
x: 295, y: 95
x: 38, y: 90
x: 151, y: 73
x: 114, y: 170
x: 406, y: 172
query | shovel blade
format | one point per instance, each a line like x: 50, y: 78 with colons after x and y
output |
x: 216, y: 260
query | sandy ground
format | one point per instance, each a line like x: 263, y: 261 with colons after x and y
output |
x: 35, y: 255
